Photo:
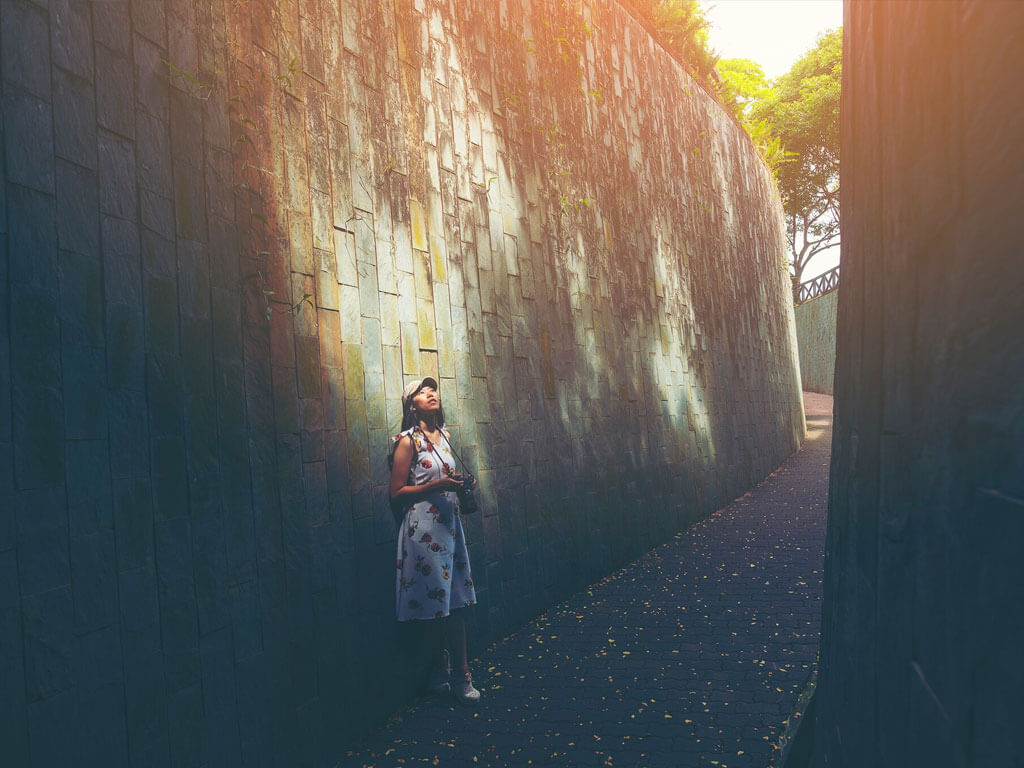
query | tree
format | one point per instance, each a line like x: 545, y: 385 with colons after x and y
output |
x: 802, y: 111
x: 744, y: 84
x: 682, y: 29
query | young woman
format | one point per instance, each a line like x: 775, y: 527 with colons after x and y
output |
x: 434, y: 581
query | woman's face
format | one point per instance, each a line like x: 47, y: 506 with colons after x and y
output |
x: 427, y: 400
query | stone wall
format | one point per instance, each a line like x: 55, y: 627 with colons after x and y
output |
x: 232, y: 230
x: 816, y: 340
x: 922, y: 627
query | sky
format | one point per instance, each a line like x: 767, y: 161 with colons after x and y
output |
x: 774, y: 33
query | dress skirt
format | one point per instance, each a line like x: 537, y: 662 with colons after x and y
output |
x: 433, y: 574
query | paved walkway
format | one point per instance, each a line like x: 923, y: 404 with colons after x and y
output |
x: 693, y: 655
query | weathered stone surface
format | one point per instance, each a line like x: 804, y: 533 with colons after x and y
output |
x: 236, y: 232
x: 816, y: 339
x: 923, y: 574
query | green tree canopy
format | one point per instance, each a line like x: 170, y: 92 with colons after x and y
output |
x: 743, y: 83
x: 802, y: 111
x: 682, y: 28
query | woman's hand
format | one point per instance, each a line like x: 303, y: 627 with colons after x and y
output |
x: 446, y: 484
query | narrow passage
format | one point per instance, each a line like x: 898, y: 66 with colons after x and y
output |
x: 694, y: 655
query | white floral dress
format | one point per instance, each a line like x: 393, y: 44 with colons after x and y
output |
x: 433, y: 576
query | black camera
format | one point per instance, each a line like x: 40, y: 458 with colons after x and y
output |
x: 467, y: 499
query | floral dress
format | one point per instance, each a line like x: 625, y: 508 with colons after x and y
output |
x: 433, y: 563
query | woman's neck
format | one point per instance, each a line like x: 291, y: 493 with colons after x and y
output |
x: 428, y: 424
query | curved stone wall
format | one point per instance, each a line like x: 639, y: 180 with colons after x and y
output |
x: 816, y: 340
x: 921, y: 619
x: 233, y: 230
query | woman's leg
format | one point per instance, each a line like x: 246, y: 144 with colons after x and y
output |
x: 434, y: 633
x: 455, y: 628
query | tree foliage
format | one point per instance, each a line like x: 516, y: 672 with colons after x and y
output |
x: 682, y: 28
x: 743, y: 85
x: 802, y: 111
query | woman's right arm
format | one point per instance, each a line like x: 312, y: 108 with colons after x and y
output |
x: 409, y: 494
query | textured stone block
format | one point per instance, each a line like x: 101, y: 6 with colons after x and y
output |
x: 220, y: 738
x: 146, y: 707
x: 32, y: 239
x: 13, y: 727
x: 133, y: 523
x: 170, y: 477
x: 81, y: 299
x: 88, y: 484
x: 93, y: 581
x: 74, y: 119
x: 52, y: 730
x: 151, y: 82
x: 49, y: 643
x: 115, y: 109
x: 307, y: 358
x: 84, y: 396
x: 26, y: 47
x: 164, y: 393
x: 111, y: 25
x: 211, y: 574
x: 35, y: 340
x: 101, y: 726
x: 38, y: 430
x: 116, y: 162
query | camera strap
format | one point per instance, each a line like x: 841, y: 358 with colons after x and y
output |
x: 437, y: 454
x: 456, y: 455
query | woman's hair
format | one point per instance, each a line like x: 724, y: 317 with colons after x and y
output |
x: 409, y: 419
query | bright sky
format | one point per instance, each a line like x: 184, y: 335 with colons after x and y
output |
x: 774, y: 33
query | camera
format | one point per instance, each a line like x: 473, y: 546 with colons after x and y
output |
x: 467, y: 499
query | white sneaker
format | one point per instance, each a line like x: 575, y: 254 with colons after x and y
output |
x: 465, y: 691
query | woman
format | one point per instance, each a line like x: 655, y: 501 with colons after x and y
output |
x: 434, y: 581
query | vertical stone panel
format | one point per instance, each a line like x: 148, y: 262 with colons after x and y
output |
x: 926, y: 486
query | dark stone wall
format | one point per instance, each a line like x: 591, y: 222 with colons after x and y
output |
x: 816, y: 341
x: 231, y: 230
x: 922, y: 621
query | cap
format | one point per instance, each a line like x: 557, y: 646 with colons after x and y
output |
x: 413, y: 387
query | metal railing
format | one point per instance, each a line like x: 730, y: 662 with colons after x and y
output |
x: 819, y: 286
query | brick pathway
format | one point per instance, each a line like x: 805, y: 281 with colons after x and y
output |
x: 693, y: 655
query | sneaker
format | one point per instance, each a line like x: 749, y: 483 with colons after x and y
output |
x: 439, y: 682
x: 465, y: 691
